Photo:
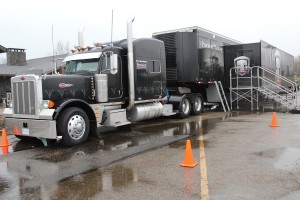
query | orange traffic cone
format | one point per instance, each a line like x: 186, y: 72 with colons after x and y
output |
x: 4, y: 143
x: 4, y: 150
x: 274, y: 121
x: 188, y: 156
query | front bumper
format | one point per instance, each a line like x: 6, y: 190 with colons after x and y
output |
x: 31, y: 127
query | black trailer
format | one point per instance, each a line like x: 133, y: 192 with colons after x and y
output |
x: 259, y: 54
x: 194, y: 64
x: 193, y: 55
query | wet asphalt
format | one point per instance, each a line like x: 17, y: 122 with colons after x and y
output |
x: 245, y: 159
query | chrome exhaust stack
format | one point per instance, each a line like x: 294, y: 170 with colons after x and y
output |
x: 130, y: 65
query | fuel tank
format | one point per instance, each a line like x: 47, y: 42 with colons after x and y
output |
x: 145, y: 111
x: 59, y: 88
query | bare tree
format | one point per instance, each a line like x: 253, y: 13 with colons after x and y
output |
x: 62, y: 48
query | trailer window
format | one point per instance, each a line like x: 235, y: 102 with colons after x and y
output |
x: 154, y: 66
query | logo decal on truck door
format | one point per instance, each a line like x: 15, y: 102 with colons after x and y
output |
x: 141, y: 64
x: 65, y: 85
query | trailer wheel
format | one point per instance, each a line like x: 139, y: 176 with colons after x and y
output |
x: 73, y: 125
x: 197, y: 106
x: 185, y: 107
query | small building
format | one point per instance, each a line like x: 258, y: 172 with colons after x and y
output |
x: 18, y: 64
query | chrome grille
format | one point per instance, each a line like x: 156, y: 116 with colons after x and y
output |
x: 23, y: 95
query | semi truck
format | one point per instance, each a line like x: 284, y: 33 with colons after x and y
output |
x: 114, y: 84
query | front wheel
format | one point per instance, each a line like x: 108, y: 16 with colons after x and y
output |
x: 73, y: 125
x: 184, y: 107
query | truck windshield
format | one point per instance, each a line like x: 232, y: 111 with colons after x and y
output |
x: 82, y: 66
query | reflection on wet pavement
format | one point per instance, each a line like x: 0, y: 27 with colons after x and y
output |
x: 20, y: 145
x: 80, y: 186
x: 56, y: 172
x: 122, y: 140
x: 111, y: 178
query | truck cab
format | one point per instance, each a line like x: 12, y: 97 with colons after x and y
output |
x: 94, y: 91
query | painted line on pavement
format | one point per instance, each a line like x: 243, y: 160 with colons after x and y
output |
x: 203, y: 170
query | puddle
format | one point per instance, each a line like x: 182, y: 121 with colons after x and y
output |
x: 55, y: 172
x: 287, y: 159
x: 117, y: 141
x: 81, y: 186
x: 111, y: 178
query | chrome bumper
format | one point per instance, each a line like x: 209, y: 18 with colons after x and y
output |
x: 31, y: 127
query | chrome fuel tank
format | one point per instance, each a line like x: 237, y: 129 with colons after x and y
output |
x: 145, y: 111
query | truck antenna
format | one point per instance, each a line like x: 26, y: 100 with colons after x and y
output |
x: 52, y: 48
x: 111, y: 32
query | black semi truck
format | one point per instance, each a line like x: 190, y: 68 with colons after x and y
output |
x: 116, y: 84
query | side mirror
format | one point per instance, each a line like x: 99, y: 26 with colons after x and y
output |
x: 114, y: 63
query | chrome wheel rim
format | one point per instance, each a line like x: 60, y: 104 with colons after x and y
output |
x: 198, y: 104
x: 185, y: 106
x: 76, y: 127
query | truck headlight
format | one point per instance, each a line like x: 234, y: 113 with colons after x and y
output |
x: 45, y: 104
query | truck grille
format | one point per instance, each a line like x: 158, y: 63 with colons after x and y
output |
x: 24, y: 100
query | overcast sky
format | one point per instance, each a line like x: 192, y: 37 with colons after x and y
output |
x: 28, y: 24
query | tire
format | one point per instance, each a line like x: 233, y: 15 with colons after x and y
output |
x: 197, y: 106
x: 74, y: 126
x: 185, y: 107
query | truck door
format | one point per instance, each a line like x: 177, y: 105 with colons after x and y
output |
x: 114, y: 76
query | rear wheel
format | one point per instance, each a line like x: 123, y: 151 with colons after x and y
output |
x: 197, y: 106
x: 73, y: 125
x: 184, y: 107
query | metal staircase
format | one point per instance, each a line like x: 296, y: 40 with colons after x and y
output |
x: 222, y: 96
x: 247, y: 83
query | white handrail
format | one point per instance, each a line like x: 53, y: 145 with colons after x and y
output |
x: 264, y: 78
x: 276, y: 75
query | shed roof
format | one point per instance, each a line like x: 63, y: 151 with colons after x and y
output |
x: 44, y: 63
x: 2, y: 49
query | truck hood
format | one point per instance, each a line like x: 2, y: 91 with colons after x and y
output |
x: 59, y: 88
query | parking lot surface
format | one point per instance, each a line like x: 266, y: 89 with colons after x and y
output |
x: 240, y: 157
